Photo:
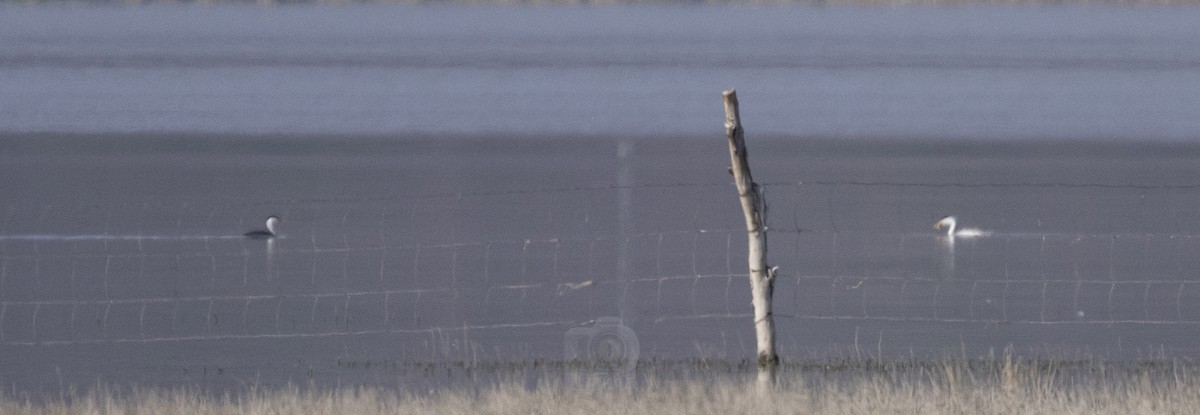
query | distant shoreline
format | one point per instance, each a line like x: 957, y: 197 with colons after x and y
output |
x: 129, y: 144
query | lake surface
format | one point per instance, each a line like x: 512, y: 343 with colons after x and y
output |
x: 1033, y: 72
x: 466, y: 186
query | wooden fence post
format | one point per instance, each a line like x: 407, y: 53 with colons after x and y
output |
x: 762, y: 277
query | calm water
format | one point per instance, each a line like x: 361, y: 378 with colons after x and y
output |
x: 477, y: 184
x: 1033, y: 72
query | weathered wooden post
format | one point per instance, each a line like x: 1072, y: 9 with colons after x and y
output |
x: 762, y: 278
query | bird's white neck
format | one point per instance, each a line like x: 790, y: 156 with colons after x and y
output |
x: 271, y: 225
x: 950, y: 224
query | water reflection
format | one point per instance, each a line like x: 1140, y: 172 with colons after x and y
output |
x: 269, y: 234
x: 945, y: 258
x: 270, y: 257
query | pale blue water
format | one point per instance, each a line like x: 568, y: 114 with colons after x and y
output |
x: 954, y: 72
x: 452, y: 190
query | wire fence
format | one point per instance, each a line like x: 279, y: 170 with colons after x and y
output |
x: 852, y: 255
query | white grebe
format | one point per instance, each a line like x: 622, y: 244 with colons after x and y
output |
x: 265, y: 234
x: 950, y: 224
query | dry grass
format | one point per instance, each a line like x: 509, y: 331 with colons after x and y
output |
x: 887, y: 3
x: 995, y: 387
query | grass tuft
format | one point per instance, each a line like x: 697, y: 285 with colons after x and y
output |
x: 997, y: 386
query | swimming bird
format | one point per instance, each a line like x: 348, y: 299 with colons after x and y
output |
x: 950, y: 225
x: 265, y: 234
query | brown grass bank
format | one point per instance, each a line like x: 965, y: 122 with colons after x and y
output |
x: 951, y: 387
